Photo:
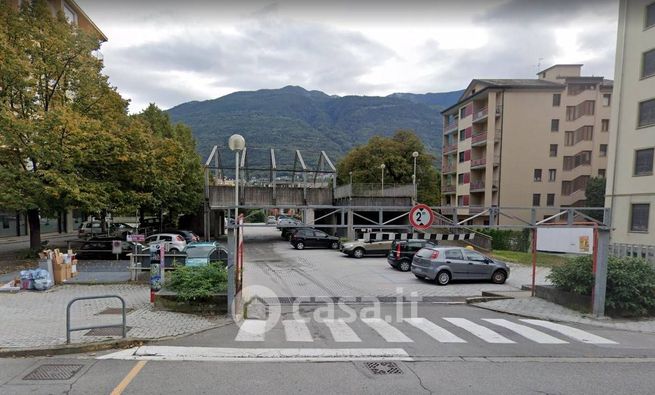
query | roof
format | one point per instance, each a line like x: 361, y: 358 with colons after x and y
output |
x: 520, y: 83
x: 559, y: 65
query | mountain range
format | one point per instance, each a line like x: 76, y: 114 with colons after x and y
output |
x: 293, y: 118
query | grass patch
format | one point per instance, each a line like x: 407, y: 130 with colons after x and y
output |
x: 525, y: 258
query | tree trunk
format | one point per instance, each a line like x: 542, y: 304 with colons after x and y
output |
x: 103, y: 221
x: 34, y: 223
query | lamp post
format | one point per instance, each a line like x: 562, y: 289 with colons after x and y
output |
x: 236, y: 143
x: 414, y: 155
x: 350, y: 173
x: 382, y: 166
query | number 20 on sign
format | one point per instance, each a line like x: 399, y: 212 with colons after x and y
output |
x: 421, y: 217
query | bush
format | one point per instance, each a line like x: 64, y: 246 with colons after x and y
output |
x: 192, y: 283
x: 630, y: 283
x: 510, y: 240
x: 256, y: 216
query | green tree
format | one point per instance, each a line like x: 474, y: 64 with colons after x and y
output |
x: 595, y: 196
x: 60, y: 119
x: 396, y: 154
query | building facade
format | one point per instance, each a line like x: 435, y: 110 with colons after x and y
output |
x: 14, y: 223
x: 525, y: 143
x: 630, y: 180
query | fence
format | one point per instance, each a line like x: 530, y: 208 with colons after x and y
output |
x: 374, y: 190
x: 620, y: 250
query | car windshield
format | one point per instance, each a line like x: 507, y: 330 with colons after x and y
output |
x: 198, y: 251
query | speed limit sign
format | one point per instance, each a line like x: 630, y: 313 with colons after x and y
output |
x: 421, y: 217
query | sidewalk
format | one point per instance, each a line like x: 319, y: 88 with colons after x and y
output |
x: 541, y: 309
x: 50, y: 237
x: 38, y: 319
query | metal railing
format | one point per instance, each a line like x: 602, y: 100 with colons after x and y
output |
x: 82, y: 328
x: 622, y: 250
x: 374, y: 190
x: 483, y: 112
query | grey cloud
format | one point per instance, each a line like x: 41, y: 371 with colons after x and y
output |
x: 535, y: 12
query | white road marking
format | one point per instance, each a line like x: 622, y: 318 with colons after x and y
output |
x: 435, y: 331
x: 526, y: 331
x: 297, y: 331
x: 480, y: 331
x: 571, y: 332
x: 388, y: 332
x: 251, y: 331
x: 341, y: 332
x: 169, y: 353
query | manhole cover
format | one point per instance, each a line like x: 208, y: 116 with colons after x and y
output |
x: 115, y: 310
x: 113, y: 331
x: 53, y: 372
x: 383, y: 368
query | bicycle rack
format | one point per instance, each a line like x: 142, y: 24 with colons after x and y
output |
x: 82, y: 328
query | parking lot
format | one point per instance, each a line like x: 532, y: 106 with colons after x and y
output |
x: 273, y: 263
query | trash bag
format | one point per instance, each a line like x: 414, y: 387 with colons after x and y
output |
x: 41, y: 280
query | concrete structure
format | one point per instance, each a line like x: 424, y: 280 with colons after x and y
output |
x: 14, y: 223
x: 630, y: 179
x: 525, y: 142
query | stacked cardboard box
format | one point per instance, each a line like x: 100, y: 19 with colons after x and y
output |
x: 64, y: 266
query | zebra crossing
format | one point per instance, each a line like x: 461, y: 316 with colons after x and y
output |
x: 443, y: 330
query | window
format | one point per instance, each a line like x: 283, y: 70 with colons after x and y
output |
x: 603, y: 150
x: 553, y: 150
x: 474, y: 256
x: 556, y: 99
x: 462, y: 135
x: 650, y: 15
x: 537, y: 175
x: 601, y: 173
x: 536, y: 199
x: 607, y: 99
x: 569, y: 138
x: 454, y: 254
x: 460, y: 179
x: 639, y: 217
x: 554, y: 125
x: 647, y: 113
x: 71, y: 16
x: 648, y: 64
x: 605, y: 125
x: 461, y: 157
x: 552, y: 175
x: 644, y: 162
x: 550, y: 200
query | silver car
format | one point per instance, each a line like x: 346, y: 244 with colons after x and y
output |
x: 443, y: 264
x: 359, y: 248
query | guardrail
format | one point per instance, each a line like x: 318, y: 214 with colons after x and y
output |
x: 374, y: 190
x: 82, y: 328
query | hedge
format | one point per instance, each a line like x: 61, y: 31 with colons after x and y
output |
x: 630, y: 283
x: 511, y: 240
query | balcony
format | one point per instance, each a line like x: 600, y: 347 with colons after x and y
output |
x: 477, y: 186
x: 479, y: 139
x: 448, y: 168
x: 478, y: 163
x: 450, y: 127
x: 475, y: 209
x: 449, y: 148
x: 449, y: 189
x: 480, y: 114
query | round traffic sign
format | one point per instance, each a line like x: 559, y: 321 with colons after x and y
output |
x: 421, y: 216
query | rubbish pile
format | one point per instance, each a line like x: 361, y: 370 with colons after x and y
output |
x: 54, y: 268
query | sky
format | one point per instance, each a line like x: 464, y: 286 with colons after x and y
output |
x: 169, y: 51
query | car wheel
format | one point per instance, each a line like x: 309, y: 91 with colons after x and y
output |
x: 443, y: 278
x: 334, y: 245
x: 405, y: 266
x: 358, y: 253
x: 300, y: 245
x: 499, y: 277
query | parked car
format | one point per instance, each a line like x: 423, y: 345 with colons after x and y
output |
x: 360, y: 248
x: 176, y: 243
x: 203, y: 253
x: 287, y: 233
x: 443, y: 264
x: 89, y: 229
x: 270, y: 220
x: 102, y: 248
x: 402, y: 252
x: 313, y: 238
x: 288, y: 222
x: 188, y: 235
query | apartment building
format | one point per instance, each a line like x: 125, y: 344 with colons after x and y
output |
x: 14, y: 223
x: 525, y: 142
x: 630, y: 179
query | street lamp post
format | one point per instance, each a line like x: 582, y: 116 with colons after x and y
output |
x: 382, y: 166
x: 414, y: 155
x: 350, y: 173
x: 237, y: 143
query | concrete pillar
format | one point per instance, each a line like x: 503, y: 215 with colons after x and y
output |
x: 351, y: 230
x: 600, y: 277
x: 308, y: 216
x: 70, y: 223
